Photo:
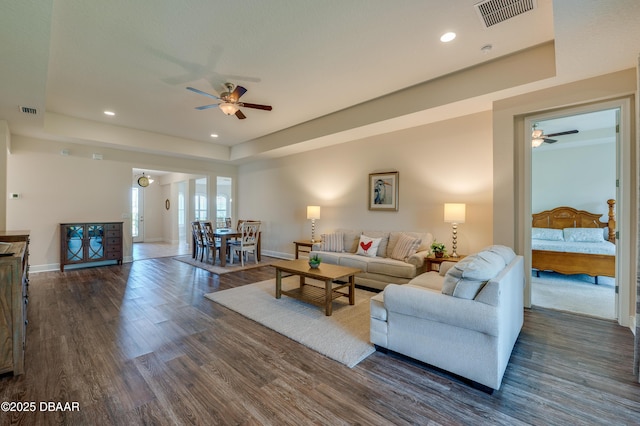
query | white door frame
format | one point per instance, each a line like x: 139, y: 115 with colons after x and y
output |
x: 140, y: 237
x: 623, y: 203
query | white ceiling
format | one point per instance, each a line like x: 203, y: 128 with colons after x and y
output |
x: 73, y: 59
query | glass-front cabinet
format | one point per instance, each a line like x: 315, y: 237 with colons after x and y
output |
x: 90, y: 242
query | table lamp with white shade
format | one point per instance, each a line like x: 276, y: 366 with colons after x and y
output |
x: 313, y: 213
x: 454, y: 213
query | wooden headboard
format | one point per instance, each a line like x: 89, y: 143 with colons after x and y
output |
x: 568, y: 217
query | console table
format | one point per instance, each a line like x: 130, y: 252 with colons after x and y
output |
x: 90, y: 242
x: 14, y: 283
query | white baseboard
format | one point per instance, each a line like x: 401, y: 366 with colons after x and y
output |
x: 34, y: 269
x: 278, y: 254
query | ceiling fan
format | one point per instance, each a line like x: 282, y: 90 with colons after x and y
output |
x: 538, y: 137
x: 230, y: 103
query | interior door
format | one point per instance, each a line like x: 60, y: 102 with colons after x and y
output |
x: 137, y: 215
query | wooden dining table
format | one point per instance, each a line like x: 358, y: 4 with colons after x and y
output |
x: 226, y: 234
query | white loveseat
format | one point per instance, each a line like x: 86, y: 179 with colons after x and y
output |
x: 471, y: 330
x: 382, y: 269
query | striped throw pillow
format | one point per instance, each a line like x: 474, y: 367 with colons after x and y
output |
x: 405, y: 247
x: 333, y: 242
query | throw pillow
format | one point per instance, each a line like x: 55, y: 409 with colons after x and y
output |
x: 368, y: 246
x: 333, y: 242
x: 584, y: 235
x: 405, y: 247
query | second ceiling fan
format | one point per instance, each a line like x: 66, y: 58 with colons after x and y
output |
x: 230, y: 101
x: 538, y: 137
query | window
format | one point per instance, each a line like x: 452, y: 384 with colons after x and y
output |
x: 201, y: 207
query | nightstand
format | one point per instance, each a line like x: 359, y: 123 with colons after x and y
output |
x: 432, y: 260
x: 307, y: 244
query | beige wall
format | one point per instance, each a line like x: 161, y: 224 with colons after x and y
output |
x: 75, y: 188
x: 5, y: 141
x: 448, y: 161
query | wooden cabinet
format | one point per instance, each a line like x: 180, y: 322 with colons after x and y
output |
x: 14, y: 282
x: 90, y: 242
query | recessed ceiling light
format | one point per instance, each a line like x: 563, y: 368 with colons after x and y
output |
x: 109, y: 113
x: 447, y: 37
x: 213, y: 135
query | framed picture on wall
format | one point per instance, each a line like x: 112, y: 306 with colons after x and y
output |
x: 383, y: 191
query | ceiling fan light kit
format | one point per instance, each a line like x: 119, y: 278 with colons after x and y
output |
x: 538, y: 137
x: 228, y: 108
x: 230, y: 101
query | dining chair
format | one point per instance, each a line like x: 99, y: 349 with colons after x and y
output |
x: 211, y: 243
x: 247, y: 243
x: 198, y: 240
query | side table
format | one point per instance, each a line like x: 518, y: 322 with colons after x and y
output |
x: 305, y: 244
x: 431, y: 260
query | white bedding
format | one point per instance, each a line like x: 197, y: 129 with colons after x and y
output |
x: 603, y: 247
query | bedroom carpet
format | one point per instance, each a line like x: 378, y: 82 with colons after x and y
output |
x: 343, y: 336
x: 574, y: 293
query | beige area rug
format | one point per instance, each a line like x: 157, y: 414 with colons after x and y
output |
x: 574, y: 293
x: 343, y: 336
x: 220, y: 270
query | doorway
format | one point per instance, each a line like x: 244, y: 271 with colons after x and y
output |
x: 582, y: 170
x: 137, y: 215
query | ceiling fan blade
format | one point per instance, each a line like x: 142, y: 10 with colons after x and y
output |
x: 547, y: 140
x: 237, y: 92
x: 568, y: 132
x: 207, y: 106
x: 256, y: 106
x: 200, y: 92
x: 240, y: 115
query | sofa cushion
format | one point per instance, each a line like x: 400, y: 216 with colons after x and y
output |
x: 384, y: 241
x: 392, y: 267
x: 425, y: 240
x: 368, y: 246
x: 461, y: 287
x: 432, y: 280
x: 506, y: 252
x: 354, y: 261
x: 351, y: 239
x: 333, y: 242
x: 467, y: 277
x: 329, y: 256
x: 405, y: 247
x: 482, y: 266
x: 444, y: 268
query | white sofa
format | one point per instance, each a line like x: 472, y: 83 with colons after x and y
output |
x: 383, y: 269
x: 471, y: 330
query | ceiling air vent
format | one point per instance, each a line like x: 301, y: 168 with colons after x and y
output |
x: 28, y: 110
x: 493, y: 12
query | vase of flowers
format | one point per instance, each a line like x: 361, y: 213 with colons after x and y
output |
x: 314, y: 261
x: 438, y: 249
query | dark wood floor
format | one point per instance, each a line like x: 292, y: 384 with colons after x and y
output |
x: 139, y: 344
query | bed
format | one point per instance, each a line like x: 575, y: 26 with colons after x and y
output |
x: 571, y: 241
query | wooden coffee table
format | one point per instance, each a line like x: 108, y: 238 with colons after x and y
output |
x: 312, y: 293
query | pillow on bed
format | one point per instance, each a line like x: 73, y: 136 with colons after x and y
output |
x: 548, y: 234
x: 584, y: 235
